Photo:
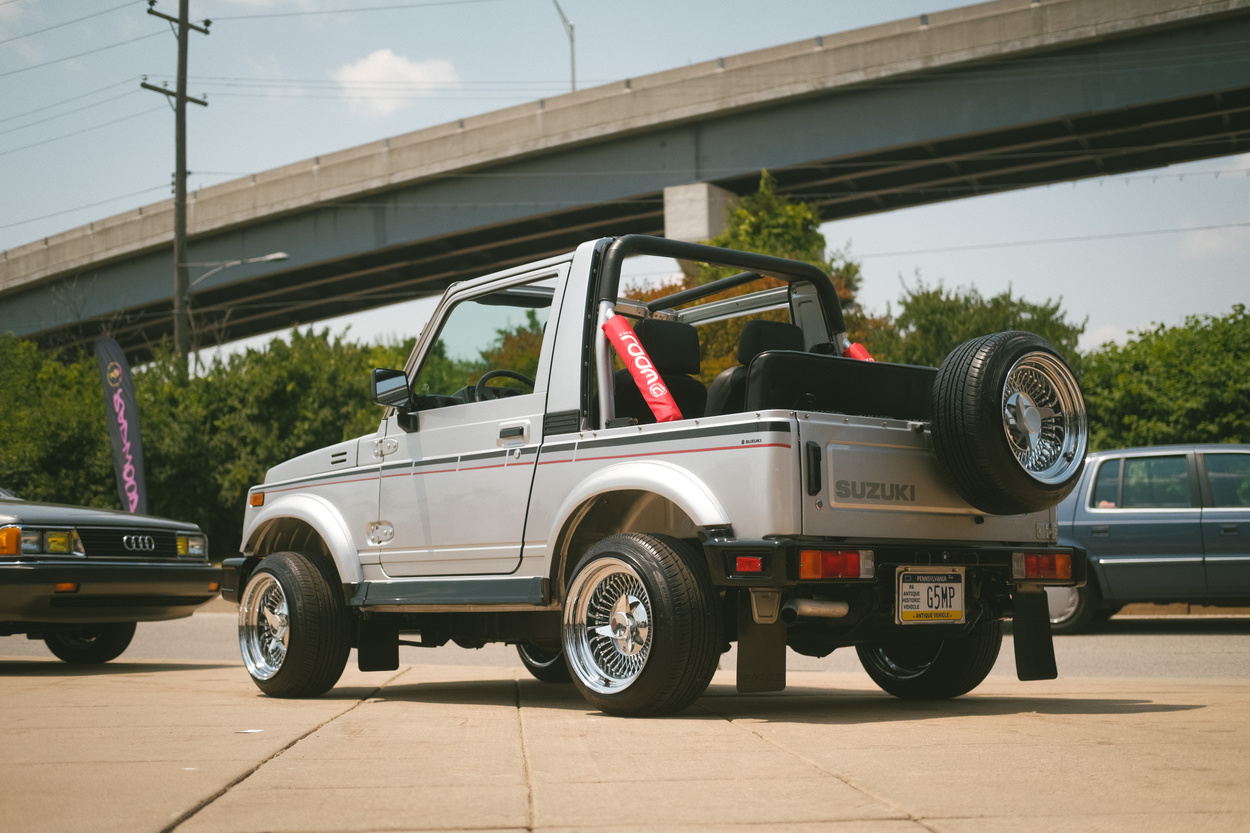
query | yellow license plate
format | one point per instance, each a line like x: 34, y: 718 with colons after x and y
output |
x: 929, y: 596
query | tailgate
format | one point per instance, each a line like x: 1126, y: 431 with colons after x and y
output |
x: 879, y: 478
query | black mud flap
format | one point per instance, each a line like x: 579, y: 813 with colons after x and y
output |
x: 1030, y: 630
x: 761, y: 651
x: 377, y: 645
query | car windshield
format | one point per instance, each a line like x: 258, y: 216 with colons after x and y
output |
x: 5, y: 494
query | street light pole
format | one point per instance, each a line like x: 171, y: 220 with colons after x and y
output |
x: 226, y: 264
x: 568, y: 27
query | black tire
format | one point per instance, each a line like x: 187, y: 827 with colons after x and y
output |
x: 642, y: 625
x: 1009, y: 423
x: 293, y: 626
x: 937, y: 670
x: 1073, y: 609
x: 545, y: 666
x: 90, y: 644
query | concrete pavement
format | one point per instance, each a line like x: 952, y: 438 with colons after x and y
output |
x: 150, y: 745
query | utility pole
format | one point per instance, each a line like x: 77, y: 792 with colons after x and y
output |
x: 182, y: 309
x: 568, y: 27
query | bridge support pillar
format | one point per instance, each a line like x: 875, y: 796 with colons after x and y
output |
x: 697, y: 212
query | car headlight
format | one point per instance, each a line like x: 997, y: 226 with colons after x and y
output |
x: 15, y: 540
x: 192, y: 546
x: 32, y: 541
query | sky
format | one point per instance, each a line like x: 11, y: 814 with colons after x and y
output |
x: 287, y: 80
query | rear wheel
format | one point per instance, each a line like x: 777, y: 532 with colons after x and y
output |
x: 293, y: 626
x: 1009, y: 423
x: 935, y: 670
x: 90, y: 644
x: 546, y: 666
x: 642, y: 625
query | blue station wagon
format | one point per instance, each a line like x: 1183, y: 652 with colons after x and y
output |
x: 1164, y: 524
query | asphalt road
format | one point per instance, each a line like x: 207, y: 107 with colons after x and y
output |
x: 1146, y: 730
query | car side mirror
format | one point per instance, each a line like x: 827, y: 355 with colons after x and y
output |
x: 390, y: 387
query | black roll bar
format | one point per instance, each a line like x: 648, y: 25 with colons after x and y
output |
x: 790, y: 271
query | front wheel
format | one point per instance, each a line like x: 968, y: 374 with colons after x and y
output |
x: 937, y: 670
x: 90, y: 644
x: 293, y: 627
x: 642, y: 625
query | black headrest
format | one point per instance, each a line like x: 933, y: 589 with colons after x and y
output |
x: 760, y: 335
x: 672, y: 345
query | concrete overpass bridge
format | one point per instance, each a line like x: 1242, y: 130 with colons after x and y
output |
x: 985, y: 98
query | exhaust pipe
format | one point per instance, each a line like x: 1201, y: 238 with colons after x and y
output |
x: 793, y: 609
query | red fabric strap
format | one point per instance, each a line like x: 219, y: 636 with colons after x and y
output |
x: 646, y: 377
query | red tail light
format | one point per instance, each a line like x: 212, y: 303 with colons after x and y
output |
x: 1047, y: 565
x: 749, y: 564
x: 821, y: 564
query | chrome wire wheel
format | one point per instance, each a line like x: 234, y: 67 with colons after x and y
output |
x: 264, y: 626
x: 607, y: 626
x: 1044, y: 418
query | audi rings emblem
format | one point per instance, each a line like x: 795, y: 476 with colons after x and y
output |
x: 139, y: 543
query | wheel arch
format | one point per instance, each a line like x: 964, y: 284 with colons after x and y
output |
x: 308, y: 524
x: 635, y: 496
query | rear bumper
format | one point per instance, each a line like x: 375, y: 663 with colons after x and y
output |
x: 780, y: 559
x: 106, y: 592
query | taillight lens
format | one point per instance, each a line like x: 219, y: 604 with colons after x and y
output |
x: 749, y: 564
x: 1056, y: 566
x: 826, y: 564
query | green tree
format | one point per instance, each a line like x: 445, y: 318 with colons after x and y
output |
x: 1173, y: 384
x: 54, y: 442
x: 934, y: 321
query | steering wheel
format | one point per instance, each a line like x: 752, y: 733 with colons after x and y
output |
x: 479, y: 389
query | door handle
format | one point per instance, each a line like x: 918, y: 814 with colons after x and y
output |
x: 511, y: 433
x: 1100, y: 531
x: 1228, y: 529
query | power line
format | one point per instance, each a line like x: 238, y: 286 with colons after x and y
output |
x: 84, y: 130
x: 64, y: 101
x: 68, y: 22
x: 80, y: 54
x: 355, y: 10
x: 1047, y: 240
x: 67, y: 113
x: 84, y: 207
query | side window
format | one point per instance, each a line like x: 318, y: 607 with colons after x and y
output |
x: 1229, y: 475
x: 1107, y: 488
x: 1156, y: 482
x: 501, y: 331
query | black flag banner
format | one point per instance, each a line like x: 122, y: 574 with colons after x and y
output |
x: 122, y: 414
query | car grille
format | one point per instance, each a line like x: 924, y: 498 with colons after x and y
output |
x: 110, y: 542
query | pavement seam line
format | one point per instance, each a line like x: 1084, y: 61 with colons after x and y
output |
x: 525, y: 760
x: 194, y: 811
x: 819, y: 767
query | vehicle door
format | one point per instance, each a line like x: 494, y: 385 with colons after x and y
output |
x: 1141, y: 521
x: 1226, y: 522
x: 455, y: 484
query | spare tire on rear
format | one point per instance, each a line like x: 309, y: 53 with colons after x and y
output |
x: 1009, y: 423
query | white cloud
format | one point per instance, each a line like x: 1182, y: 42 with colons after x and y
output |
x: 383, y: 82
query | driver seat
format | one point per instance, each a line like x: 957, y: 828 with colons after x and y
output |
x: 674, y: 350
